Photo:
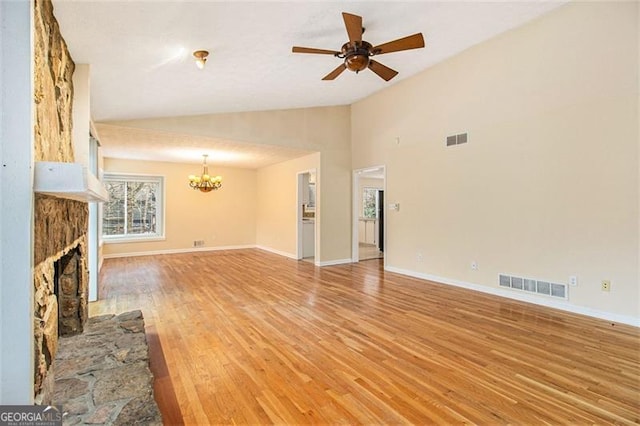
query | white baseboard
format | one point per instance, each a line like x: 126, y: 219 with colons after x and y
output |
x: 176, y: 251
x: 294, y: 257
x: 537, y: 300
x: 278, y: 252
x: 241, y: 247
x: 529, y: 298
x: 334, y: 262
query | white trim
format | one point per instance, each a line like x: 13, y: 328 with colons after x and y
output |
x: 138, y: 177
x: 16, y: 203
x: 334, y: 262
x: 240, y: 247
x: 278, y: 252
x: 175, y: 251
x: 523, y: 297
x: 299, y: 228
x: 355, y: 183
x: 116, y: 239
x: 159, y: 235
x: 68, y: 180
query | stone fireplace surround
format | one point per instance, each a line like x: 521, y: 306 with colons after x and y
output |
x: 60, y: 272
x: 60, y: 225
x: 60, y: 283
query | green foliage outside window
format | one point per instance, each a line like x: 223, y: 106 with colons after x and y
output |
x: 370, y: 203
x: 134, y: 207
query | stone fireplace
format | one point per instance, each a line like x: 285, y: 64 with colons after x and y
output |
x: 61, y: 283
x: 103, y: 373
x: 60, y: 225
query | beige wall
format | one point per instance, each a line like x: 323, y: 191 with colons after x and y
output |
x: 325, y: 130
x: 547, y: 186
x: 276, y: 226
x: 222, y: 218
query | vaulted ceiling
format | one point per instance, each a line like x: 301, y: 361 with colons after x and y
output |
x: 140, y: 53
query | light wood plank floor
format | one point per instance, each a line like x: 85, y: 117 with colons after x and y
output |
x: 254, y: 338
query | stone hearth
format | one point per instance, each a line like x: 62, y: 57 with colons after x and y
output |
x: 103, y: 376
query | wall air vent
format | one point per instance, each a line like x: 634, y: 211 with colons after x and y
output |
x: 531, y: 285
x: 457, y: 139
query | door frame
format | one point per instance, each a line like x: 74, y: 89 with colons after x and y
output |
x: 355, y: 211
x: 299, y: 223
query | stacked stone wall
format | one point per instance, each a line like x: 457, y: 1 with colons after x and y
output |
x: 60, y: 224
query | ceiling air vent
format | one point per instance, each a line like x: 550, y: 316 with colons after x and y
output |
x: 457, y: 139
x: 531, y: 285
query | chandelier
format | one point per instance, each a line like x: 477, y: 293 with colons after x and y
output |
x: 205, y: 182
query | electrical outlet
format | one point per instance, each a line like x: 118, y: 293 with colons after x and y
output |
x: 419, y: 257
x: 474, y: 265
x: 573, y: 280
x: 198, y: 243
x: 606, y: 285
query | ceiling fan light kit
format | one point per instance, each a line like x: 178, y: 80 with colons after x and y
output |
x: 201, y: 58
x: 357, y: 53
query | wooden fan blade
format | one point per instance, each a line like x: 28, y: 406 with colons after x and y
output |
x: 353, y: 23
x: 415, y: 41
x: 383, y: 71
x: 333, y: 74
x: 297, y: 49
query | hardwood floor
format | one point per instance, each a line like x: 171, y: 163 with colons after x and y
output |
x: 250, y: 337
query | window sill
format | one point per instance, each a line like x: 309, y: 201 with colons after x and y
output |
x: 118, y: 240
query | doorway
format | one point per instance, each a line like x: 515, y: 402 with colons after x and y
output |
x: 369, y: 230
x: 306, y: 207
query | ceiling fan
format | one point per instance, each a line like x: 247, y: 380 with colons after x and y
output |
x: 357, y: 53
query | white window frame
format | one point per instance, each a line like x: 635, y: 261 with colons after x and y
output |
x: 377, y: 190
x: 160, y: 210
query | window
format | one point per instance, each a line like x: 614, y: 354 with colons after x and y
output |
x: 370, y: 203
x: 135, y: 208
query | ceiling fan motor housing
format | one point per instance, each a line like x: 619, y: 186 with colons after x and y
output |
x: 356, y: 55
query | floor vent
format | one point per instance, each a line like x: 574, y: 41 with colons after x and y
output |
x: 531, y: 285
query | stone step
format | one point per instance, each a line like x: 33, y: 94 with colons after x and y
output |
x: 102, y: 376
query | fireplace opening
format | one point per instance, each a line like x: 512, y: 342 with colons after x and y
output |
x: 67, y: 286
x: 61, y: 309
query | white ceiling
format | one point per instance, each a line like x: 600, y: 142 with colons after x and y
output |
x: 141, y: 63
x: 142, y: 144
